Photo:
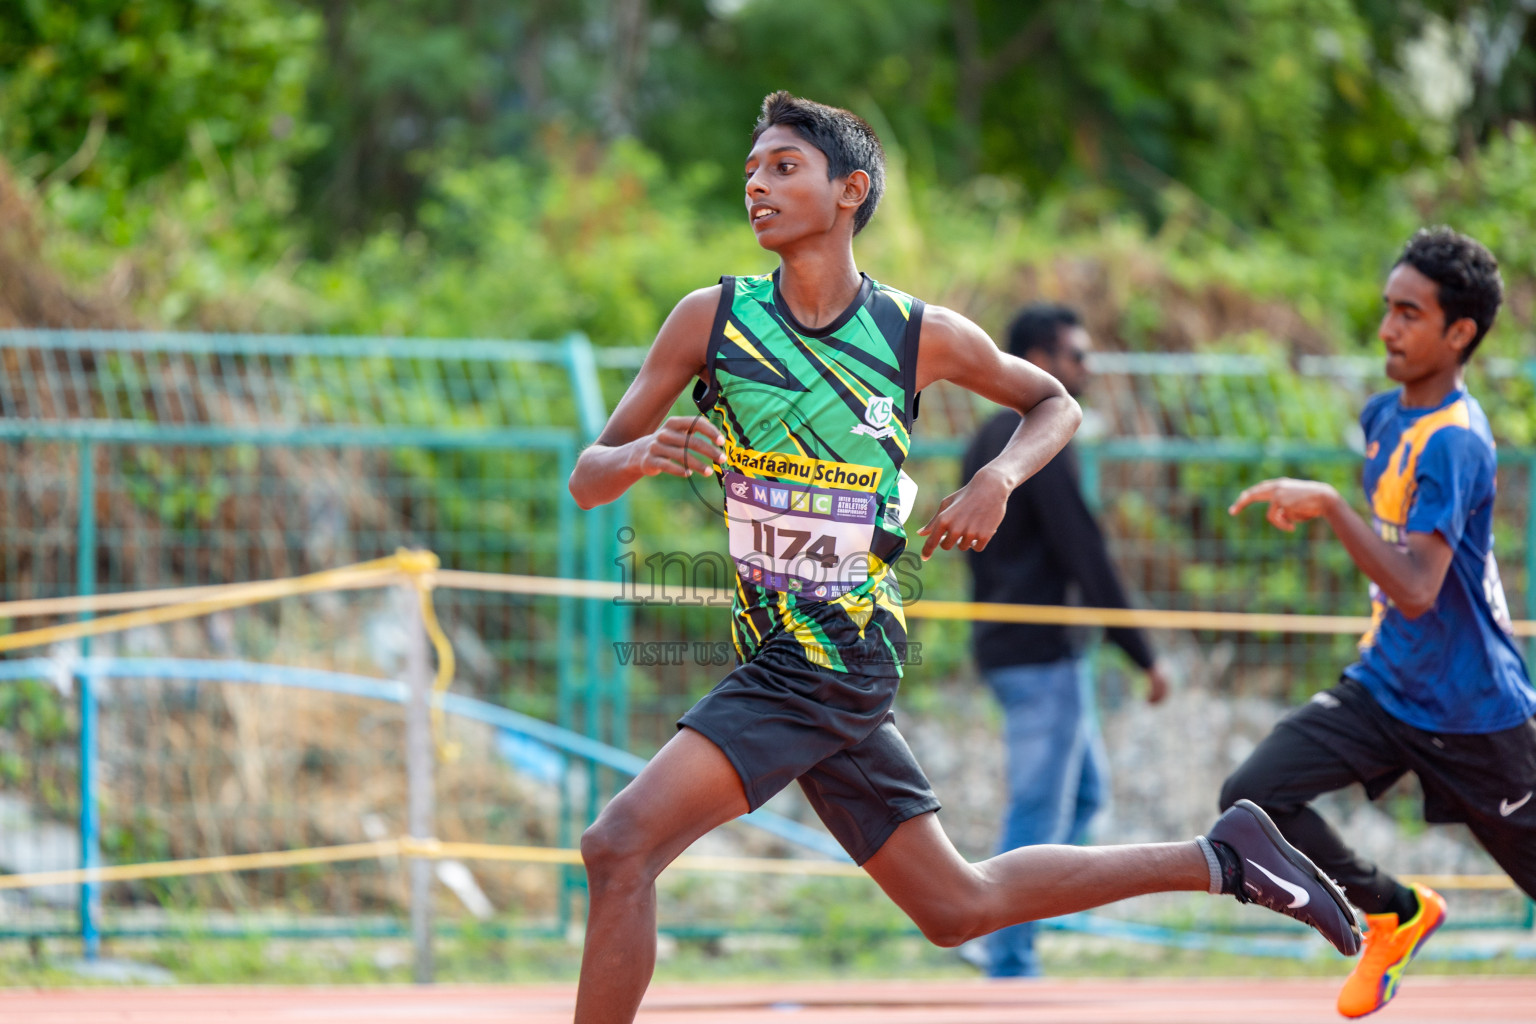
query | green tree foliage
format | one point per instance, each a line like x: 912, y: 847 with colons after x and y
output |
x: 397, y: 81
x: 1271, y: 112
x: 158, y: 135
x: 1259, y: 115
x: 1262, y: 109
x: 112, y: 92
x: 589, y: 238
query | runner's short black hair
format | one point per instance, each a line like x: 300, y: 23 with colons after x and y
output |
x: 846, y: 140
x: 1038, y: 326
x: 1466, y: 272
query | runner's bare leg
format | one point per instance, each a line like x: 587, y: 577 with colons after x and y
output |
x: 952, y: 900
x: 686, y: 790
x: 690, y: 788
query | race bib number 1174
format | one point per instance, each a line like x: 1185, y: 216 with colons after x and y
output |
x: 809, y: 541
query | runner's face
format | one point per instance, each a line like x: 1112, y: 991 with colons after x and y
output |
x: 788, y: 196
x: 1414, y: 330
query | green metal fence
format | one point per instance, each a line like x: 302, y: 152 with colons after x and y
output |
x: 1168, y: 442
x: 138, y: 461
x: 130, y: 461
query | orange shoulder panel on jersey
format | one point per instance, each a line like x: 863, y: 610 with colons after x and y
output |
x: 1395, y: 487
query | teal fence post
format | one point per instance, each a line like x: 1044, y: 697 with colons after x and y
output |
x: 606, y: 704
x: 618, y: 629
x: 565, y: 676
x: 1088, y: 467
x: 582, y: 364
x: 1088, y: 470
x: 595, y: 696
x: 598, y: 524
x: 1530, y: 551
x: 90, y: 818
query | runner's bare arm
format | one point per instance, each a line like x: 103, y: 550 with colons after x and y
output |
x: 639, y: 439
x: 1412, y: 578
x: 954, y: 349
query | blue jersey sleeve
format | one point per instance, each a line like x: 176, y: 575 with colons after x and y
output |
x: 1453, y: 479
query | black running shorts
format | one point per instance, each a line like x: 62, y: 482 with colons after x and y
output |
x: 779, y: 719
x: 1486, y: 781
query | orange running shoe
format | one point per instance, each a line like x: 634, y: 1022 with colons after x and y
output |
x: 1388, y: 948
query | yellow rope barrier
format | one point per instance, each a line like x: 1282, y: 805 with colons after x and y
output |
x: 365, y: 574
x: 48, y: 606
x: 548, y: 586
x: 422, y: 569
x: 205, y: 865
x: 1144, y: 618
x: 419, y: 567
x: 433, y: 849
x: 204, y: 600
x: 1462, y: 881
x: 971, y: 611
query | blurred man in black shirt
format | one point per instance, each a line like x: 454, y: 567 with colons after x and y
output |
x: 1048, y: 542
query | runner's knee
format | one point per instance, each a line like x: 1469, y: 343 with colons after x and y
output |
x: 613, y: 852
x: 952, y: 919
x: 946, y: 927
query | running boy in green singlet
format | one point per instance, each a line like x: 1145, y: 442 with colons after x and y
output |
x: 807, y: 382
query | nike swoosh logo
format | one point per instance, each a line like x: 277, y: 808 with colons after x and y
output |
x: 1506, y: 808
x: 1301, y: 896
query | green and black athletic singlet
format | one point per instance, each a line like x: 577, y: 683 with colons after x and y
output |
x: 817, y: 426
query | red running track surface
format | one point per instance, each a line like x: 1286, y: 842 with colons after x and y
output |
x: 1442, y: 1000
